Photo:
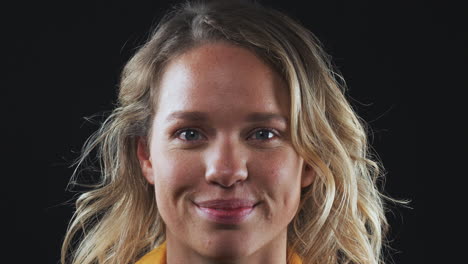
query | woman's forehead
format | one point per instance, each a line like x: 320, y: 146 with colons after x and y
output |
x: 220, y: 63
x: 221, y: 76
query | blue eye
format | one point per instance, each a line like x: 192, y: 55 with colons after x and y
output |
x: 189, y: 134
x: 192, y: 135
x: 264, y: 134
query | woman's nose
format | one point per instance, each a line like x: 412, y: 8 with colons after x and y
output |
x: 225, y: 163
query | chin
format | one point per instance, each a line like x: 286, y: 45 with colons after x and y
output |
x: 227, y: 245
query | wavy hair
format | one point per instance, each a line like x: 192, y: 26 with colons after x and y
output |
x: 341, y: 215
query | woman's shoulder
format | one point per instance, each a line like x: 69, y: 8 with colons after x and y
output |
x: 158, y: 256
x: 155, y: 256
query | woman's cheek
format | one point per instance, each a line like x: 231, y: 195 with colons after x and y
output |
x: 180, y: 174
x: 278, y: 168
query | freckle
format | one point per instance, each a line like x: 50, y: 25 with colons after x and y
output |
x: 269, y: 216
x: 208, y: 243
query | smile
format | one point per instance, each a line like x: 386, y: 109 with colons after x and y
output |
x: 231, y: 212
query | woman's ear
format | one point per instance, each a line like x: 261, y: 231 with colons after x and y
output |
x: 308, y: 176
x: 144, y: 158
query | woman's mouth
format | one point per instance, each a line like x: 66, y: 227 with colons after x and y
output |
x: 232, y: 211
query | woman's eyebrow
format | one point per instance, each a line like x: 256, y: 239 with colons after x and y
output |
x: 202, y: 117
x: 188, y: 116
x: 260, y: 117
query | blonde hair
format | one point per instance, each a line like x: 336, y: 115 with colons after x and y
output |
x: 341, y: 215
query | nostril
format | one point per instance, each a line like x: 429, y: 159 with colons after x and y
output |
x: 226, y: 166
x: 224, y: 186
x: 227, y: 185
x: 226, y: 179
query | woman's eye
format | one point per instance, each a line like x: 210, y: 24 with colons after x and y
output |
x: 189, y: 135
x: 192, y: 135
x: 264, y: 134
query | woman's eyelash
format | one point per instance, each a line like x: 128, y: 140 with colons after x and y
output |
x: 268, y: 130
x: 186, y: 130
x: 272, y: 131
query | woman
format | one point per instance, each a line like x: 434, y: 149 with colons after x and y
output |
x: 232, y: 143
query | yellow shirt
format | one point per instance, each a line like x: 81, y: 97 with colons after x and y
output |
x: 158, y: 256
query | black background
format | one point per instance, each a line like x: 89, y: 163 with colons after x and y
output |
x: 64, y: 60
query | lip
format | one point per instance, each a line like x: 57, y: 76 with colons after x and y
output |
x: 232, y: 211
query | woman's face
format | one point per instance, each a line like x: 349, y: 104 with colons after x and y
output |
x: 227, y: 179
